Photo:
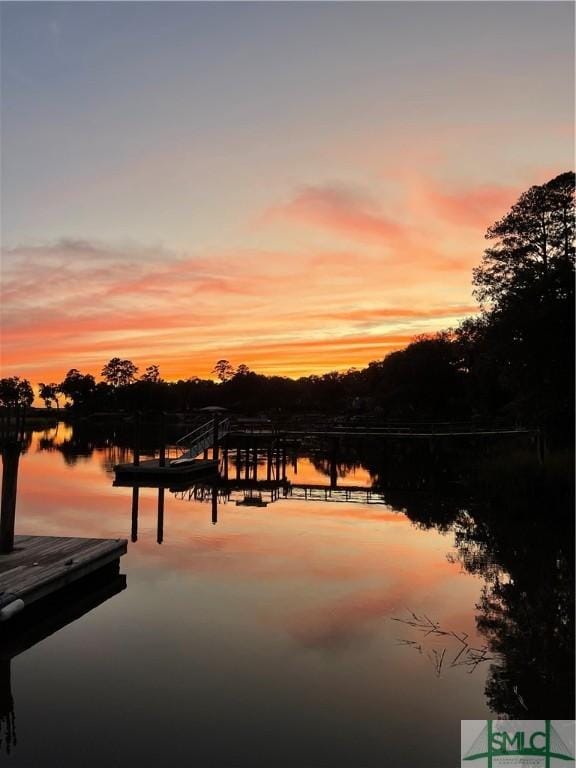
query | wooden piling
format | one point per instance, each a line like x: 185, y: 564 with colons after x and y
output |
x: 214, y: 505
x: 135, y: 500
x: 269, y: 462
x: 160, y: 531
x: 10, y: 459
x: 238, y: 462
x: 278, y: 459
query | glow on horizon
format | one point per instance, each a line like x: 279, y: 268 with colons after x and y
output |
x: 176, y: 194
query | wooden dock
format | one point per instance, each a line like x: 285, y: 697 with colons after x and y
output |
x: 38, y: 566
x: 153, y: 469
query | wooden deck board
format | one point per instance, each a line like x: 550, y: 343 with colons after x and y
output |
x: 40, y: 565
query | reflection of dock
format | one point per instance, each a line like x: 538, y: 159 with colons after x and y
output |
x: 354, y: 493
x: 40, y: 565
x: 39, y: 622
x: 224, y: 490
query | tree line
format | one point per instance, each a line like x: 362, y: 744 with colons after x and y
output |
x: 513, y: 361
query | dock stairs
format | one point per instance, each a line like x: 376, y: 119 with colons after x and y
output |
x: 199, y: 439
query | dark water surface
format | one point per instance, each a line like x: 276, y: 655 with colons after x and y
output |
x: 272, y: 637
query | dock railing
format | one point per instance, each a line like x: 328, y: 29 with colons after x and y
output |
x: 202, y: 437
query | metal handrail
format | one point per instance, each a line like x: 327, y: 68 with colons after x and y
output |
x: 202, y: 428
x: 204, y: 431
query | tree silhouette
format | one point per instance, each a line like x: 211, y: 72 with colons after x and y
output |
x: 49, y: 394
x: 523, y: 340
x: 532, y: 242
x: 119, y: 373
x: 151, y: 374
x: 78, y: 387
x: 224, y: 370
x: 15, y: 391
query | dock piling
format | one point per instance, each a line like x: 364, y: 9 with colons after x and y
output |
x: 160, y: 532
x: 10, y: 460
x: 135, y: 500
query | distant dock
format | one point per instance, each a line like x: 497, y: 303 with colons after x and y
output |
x: 39, y: 566
x: 156, y: 470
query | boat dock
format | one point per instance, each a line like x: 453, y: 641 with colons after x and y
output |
x: 36, y: 567
x: 157, y: 470
x: 39, y: 566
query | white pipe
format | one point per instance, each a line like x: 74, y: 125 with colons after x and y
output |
x: 11, y: 609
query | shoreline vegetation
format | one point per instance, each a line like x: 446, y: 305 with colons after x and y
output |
x: 511, y: 364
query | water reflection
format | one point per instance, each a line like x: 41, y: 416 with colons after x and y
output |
x: 514, y: 528
x: 509, y: 518
x: 40, y: 621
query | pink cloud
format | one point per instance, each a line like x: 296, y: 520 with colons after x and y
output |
x: 476, y: 207
x: 340, y: 209
x: 78, y: 303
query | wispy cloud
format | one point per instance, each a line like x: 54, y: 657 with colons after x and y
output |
x: 475, y: 207
x: 342, y: 209
x: 403, y: 269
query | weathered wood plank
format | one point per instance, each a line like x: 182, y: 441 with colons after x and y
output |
x: 41, y: 565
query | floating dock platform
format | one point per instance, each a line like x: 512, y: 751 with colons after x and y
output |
x: 151, y: 470
x: 39, y: 566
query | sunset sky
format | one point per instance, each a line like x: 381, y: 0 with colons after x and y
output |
x: 299, y: 187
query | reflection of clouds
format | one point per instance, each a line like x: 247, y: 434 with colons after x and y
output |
x: 352, y: 619
x: 328, y: 574
x: 343, y: 624
x: 301, y: 539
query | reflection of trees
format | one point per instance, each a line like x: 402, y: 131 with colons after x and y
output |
x: 522, y: 543
x: 72, y: 449
x: 116, y: 454
x: 80, y: 444
x: 530, y: 624
x: 26, y: 442
x: 324, y: 466
x: 115, y: 440
x: 513, y: 527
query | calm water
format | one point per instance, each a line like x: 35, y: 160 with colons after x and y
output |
x: 268, y: 639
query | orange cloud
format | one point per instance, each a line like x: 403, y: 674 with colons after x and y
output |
x: 184, y: 311
x: 379, y: 313
x: 293, y: 311
x: 341, y: 209
x: 476, y: 207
